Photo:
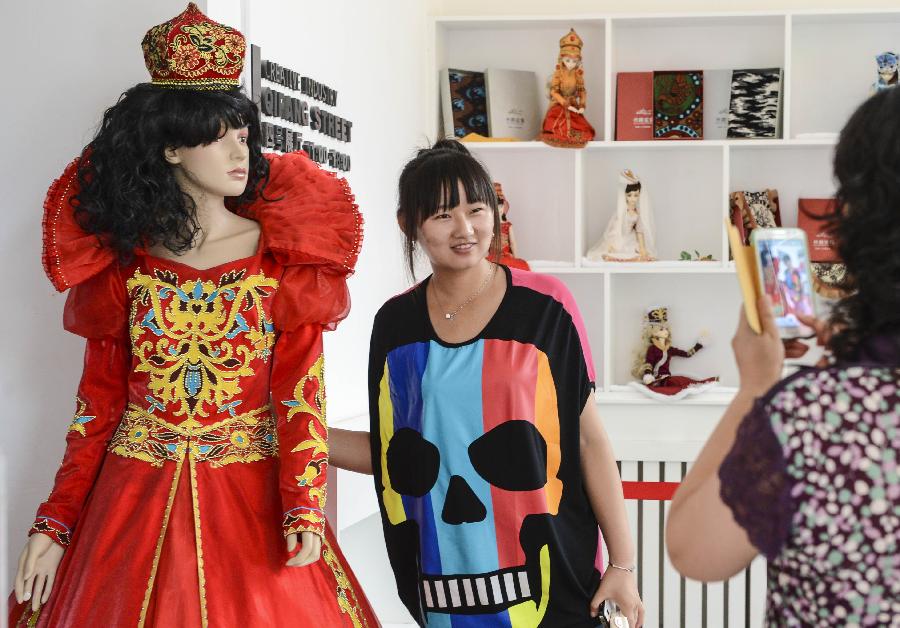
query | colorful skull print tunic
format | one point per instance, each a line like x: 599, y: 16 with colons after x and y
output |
x: 820, y: 450
x: 199, y: 439
x: 475, y: 451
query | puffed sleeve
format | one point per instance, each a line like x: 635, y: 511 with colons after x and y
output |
x: 755, y: 485
x: 313, y: 227
x: 94, y: 310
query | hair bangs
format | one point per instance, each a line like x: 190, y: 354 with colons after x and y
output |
x: 438, y: 184
x: 199, y: 117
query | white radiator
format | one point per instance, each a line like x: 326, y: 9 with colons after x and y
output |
x: 670, y: 600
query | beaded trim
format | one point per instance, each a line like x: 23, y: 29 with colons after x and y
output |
x: 244, y: 438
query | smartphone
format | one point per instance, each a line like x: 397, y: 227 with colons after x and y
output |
x: 613, y: 616
x: 783, y: 273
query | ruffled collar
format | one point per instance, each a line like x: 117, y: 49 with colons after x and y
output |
x: 308, y: 216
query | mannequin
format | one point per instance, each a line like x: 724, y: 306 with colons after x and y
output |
x: 191, y: 278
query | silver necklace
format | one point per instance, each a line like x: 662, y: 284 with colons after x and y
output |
x: 451, y: 315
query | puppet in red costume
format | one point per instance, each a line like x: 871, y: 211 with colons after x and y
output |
x: 564, y: 123
x: 652, y: 364
x: 197, y: 456
x: 508, y: 248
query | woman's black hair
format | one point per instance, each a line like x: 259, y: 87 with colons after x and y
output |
x: 866, y: 224
x: 633, y: 187
x: 431, y: 181
x: 129, y: 196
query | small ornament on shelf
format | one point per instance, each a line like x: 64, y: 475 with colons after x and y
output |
x: 508, y: 248
x: 696, y: 257
x: 888, y: 71
x: 630, y: 235
x: 651, y: 366
x: 750, y: 210
x: 564, y: 124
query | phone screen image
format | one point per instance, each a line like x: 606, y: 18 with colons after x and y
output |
x: 784, y: 275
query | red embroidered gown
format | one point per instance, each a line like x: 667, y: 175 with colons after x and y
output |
x: 199, y: 439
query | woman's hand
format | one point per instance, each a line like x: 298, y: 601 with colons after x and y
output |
x: 37, y: 569
x: 759, y: 357
x: 309, y: 551
x: 573, y: 109
x: 795, y: 348
x: 620, y: 586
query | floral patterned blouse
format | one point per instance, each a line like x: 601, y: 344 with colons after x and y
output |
x: 813, y: 479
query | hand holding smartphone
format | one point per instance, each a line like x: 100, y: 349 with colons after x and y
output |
x: 782, y: 265
x: 776, y: 264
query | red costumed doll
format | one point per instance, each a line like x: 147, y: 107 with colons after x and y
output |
x: 652, y: 365
x: 508, y: 248
x: 564, y: 124
x: 196, y: 461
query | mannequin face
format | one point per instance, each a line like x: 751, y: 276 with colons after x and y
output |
x: 660, y: 337
x: 632, y: 198
x: 217, y: 169
x: 570, y: 63
x: 460, y: 237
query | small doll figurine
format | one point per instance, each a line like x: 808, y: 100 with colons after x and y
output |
x: 630, y: 234
x: 652, y: 362
x: 888, y: 71
x: 565, y: 125
x: 508, y: 248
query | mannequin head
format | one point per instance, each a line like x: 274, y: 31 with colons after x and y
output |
x: 632, y: 195
x: 155, y: 151
x: 660, y: 336
x: 447, y: 199
x: 570, y: 62
x: 570, y: 50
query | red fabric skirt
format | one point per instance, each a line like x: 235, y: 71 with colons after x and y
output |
x: 566, y: 128
x: 674, y: 384
x: 188, y: 544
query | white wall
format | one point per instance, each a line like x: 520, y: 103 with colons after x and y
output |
x: 67, y: 61
x: 561, y: 7
x: 70, y: 60
x: 367, y: 51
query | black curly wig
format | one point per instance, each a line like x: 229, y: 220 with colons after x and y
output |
x: 129, y: 196
x: 866, y: 224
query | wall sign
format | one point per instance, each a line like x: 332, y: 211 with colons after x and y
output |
x: 303, y: 102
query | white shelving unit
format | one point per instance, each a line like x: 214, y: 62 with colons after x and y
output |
x: 561, y: 200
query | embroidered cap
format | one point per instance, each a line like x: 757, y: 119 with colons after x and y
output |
x: 570, y: 44
x: 658, y: 315
x: 192, y: 51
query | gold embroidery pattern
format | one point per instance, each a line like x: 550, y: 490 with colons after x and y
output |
x: 159, y: 543
x: 29, y: 618
x: 196, y: 340
x: 317, y: 427
x: 243, y: 438
x: 316, y: 377
x: 346, y: 596
x: 80, y: 419
x: 304, y: 520
x: 201, y: 577
x: 196, y: 49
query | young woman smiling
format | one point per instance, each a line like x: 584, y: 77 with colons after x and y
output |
x: 490, y: 462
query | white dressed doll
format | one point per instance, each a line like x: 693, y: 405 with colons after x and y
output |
x: 630, y: 235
